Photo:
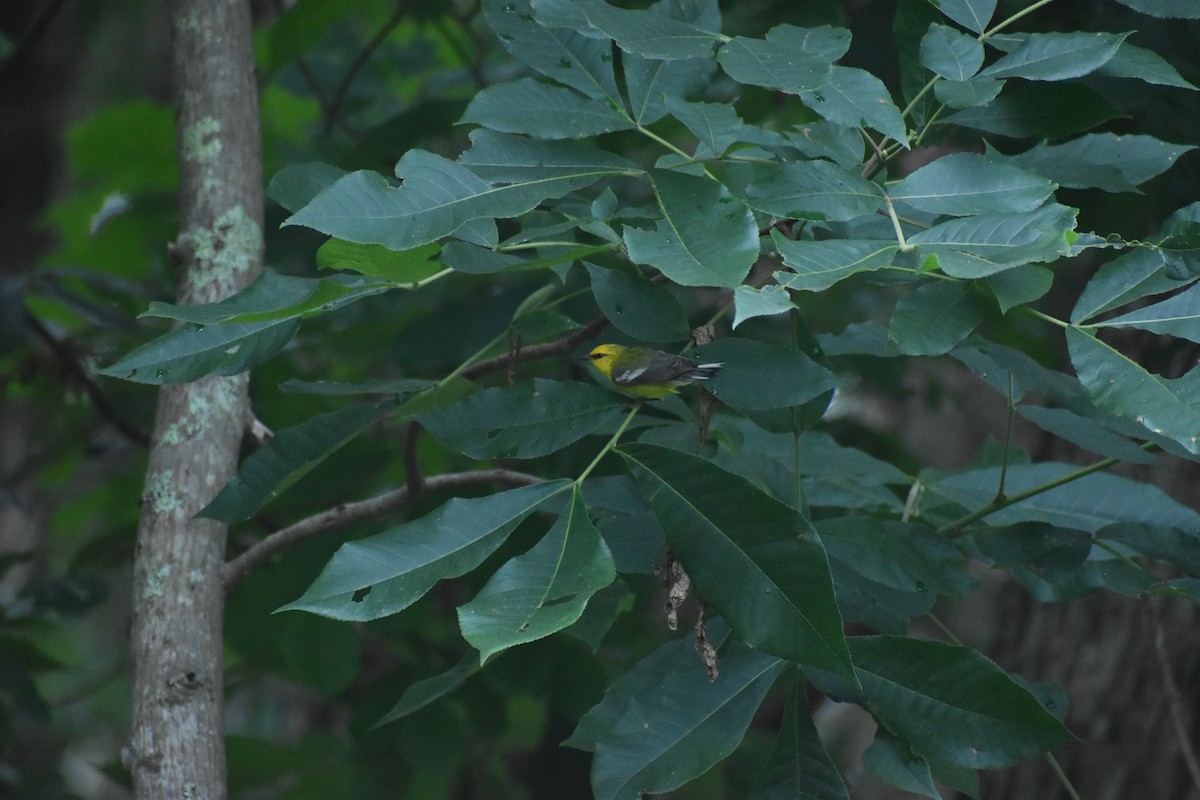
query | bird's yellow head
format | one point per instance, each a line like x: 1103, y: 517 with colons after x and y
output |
x: 604, y: 357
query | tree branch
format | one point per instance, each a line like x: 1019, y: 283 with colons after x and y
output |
x: 535, y: 351
x: 345, y: 513
x: 63, y: 353
x: 339, y: 96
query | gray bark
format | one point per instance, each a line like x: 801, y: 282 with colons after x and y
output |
x: 177, y: 748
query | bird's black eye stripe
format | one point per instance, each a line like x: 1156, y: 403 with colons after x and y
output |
x: 597, y: 356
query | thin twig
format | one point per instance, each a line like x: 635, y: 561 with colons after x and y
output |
x: 65, y: 355
x: 360, y: 61
x: 413, y: 478
x: 534, y: 351
x: 1175, y: 701
x: 345, y: 513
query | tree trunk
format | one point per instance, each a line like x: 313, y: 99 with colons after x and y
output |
x: 177, y: 747
x: 1108, y: 652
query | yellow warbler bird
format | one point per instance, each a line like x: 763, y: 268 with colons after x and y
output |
x: 643, y: 372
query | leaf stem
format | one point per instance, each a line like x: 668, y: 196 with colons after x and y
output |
x: 1047, y: 318
x: 1007, y: 439
x: 1062, y: 776
x: 654, y: 136
x: 983, y: 37
x: 904, y: 245
x: 955, y: 529
x: 612, y: 442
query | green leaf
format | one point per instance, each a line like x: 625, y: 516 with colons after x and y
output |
x: 504, y: 158
x: 715, y: 125
x: 649, y: 83
x: 819, y: 265
x: 814, y: 190
x: 1020, y: 285
x: 934, y: 317
x: 1122, y: 388
x: 1102, y: 160
x: 628, y: 526
x: 648, y: 33
x: 963, y: 184
x: 277, y: 298
x: 909, y: 558
x: 438, y: 197
x: 1050, y: 553
x: 542, y: 591
x: 1085, y: 433
x: 1057, y: 56
x: 756, y: 560
x: 524, y: 421
x: 973, y: 15
x: 799, y: 765
x: 749, y: 302
x: 1136, y: 274
x: 968, y: 94
x: 1036, y: 111
x: 706, y: 237
x: 951, y: 704
x: 290, y: 455
x: 398, y: 386
x: 1145, y: 65
x: 410, y: 266
x: 855, y: 97
x: 1175, y: 546
x: 950, y: 53
x: 637, y: 307
x: 678, y: 724
x: 583, y: 63
x: 890, y: 760
x: 384, y: 574
x: 789, y: 59
x: 548, y: 112
x: 759, y: 376
x: 975, y: 247
x: 1087, y: 504
x: 1175, y: 316
x: 1167, y: 9
x: 428, y: 690
x: 193, y: 351
x: 296, y: 185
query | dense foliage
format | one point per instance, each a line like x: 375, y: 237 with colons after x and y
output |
x: 641, y: 176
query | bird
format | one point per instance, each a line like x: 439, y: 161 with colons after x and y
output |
x: 648, y: 373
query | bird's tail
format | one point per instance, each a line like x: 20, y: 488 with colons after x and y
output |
x: 703, y: 372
